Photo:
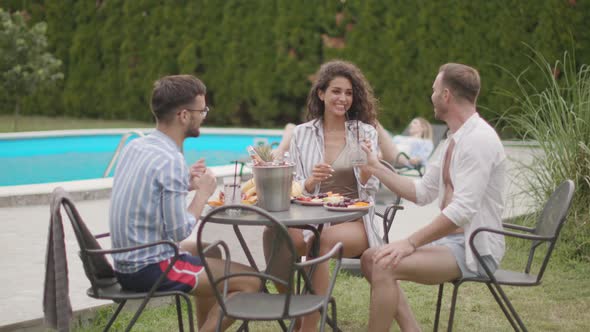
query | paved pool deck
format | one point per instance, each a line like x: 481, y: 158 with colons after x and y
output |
x: 24, y: 238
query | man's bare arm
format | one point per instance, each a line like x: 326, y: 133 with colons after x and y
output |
x: 401, y: 185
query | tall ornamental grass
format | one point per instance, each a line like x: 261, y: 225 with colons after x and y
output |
x: 556, y: 115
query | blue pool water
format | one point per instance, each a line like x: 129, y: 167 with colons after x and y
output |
x: 69, y: 158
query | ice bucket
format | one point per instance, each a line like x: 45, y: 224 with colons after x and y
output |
x: 273, y: 186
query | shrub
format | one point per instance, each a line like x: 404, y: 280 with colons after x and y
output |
x: 258, y: 57
x: 556, y: 114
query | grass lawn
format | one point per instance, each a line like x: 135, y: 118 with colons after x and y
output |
x: 39, y: 123
x: 560, y: 304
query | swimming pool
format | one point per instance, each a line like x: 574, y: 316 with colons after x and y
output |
x: 31, y: 158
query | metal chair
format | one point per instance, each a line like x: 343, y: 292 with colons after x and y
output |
x: 263, y: 305
x: 103, y: 283
x: 546, y: 230
x: 390, y: 211
x: 439, y: 132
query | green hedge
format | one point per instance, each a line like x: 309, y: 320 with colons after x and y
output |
x: 257, y: 57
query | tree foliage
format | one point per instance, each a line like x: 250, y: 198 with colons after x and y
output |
x: 25, y: 63
x: 258, y: 57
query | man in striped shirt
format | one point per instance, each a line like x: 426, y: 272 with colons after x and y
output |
x: 148, y: 202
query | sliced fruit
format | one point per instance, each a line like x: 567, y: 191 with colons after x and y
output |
x: 215, y: 203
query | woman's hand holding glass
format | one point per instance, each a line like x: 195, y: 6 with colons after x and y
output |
x: 321, y: 172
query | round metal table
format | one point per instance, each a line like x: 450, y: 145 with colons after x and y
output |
x: 297, y: 215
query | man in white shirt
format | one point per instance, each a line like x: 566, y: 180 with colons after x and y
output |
x: 468, y: 180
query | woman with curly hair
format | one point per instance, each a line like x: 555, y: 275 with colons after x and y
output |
x: 322, y: 160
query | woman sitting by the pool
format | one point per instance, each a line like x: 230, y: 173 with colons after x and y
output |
x: 323, y: 163
x: 412, y: 150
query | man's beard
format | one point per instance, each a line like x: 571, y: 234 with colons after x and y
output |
x: 439, y: 112
x: 193, y: 131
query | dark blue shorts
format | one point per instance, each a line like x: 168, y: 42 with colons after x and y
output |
x: 184, y: 276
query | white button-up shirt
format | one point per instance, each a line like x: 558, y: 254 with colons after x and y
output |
x: 307, y: 150
x: 477, y: 170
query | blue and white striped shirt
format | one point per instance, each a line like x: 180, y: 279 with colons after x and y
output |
x: 148, y: 201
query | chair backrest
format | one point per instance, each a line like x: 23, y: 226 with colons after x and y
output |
x: 392, y: 208
x: 439, y: 133
x: 550, y: 222
x: 281, y: 241
x: 99, y: 271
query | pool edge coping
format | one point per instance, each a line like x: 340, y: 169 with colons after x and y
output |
x: 80, y: 190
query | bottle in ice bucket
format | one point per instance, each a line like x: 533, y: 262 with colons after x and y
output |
x: 273, y: 178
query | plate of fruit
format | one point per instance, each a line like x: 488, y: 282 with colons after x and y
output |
x: 319, y: 199
x: 349, y: 204
x: 251, y: 200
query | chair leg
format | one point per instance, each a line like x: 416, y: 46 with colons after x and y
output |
x: 137, y: 314
x: 324, y: 316
x: 243, y: 327
x: 453, y: 304
x: 283, y: 325
x: 332, y: 321
x: 298, y: 277
x: 334, y: 324
x: 218, y: 327
x: 179, y: 312
x: 441, y: 288
x: 503, y: 307
x: 115, y: 315
x: 189, y: 311
x: 511, y: 308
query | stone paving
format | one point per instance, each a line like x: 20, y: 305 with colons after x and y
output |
x: 24, y: 237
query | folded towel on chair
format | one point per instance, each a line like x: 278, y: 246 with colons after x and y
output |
x: 56, y: 300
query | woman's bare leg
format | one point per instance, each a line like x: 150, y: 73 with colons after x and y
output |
x: 354, y: 240
x: 204, y: 305
x: 282, y: 254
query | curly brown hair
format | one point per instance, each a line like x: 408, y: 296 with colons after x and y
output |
x: 364, y: 104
